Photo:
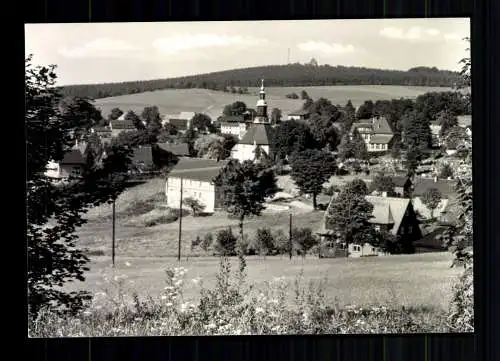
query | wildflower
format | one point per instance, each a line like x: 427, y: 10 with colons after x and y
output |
x: 169, y: 304
x: 259, y: 310
x: 163, y: 297
x: 211, y: 325
x: 86, y: 313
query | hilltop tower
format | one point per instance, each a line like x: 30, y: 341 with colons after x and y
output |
x: 262, y: 117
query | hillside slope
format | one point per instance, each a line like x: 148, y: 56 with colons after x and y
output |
x: 275, y: 75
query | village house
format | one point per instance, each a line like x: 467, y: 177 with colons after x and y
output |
x: 235, y: 125
x: 72, y: 164
x: 376, y: 132
x: 258, y: 141
x: 300, y: 114
x: 390, y: 214
x: 121, y: 125
x: 182, y: 122
x: 196, y: 176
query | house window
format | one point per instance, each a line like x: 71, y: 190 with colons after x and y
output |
x: 76, y: 171
x: 377, y: 228
x: 356, y: 248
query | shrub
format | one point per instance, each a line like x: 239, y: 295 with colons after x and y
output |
x: 281, y: 242
x: 196, y: 206
x: 195, y: 243
x: 446, y: 171
x: 264, y: 241
x: 304, y: 239
x: 226, y: 242
x: 330, y: 190
x: 207, y: 241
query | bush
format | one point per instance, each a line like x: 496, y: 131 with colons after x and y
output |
x: 225, y: 242
x: 264, y: 241
x: 207, y: 241
x: 330, y: 190
x: 304, y: 239
x: 281, y: 243
x: 461, y: 314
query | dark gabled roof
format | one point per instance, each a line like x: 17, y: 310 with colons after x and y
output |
x: 230, y: 124
x: 381, y: 126
x: 101, y: 129
x: 300, y: 112
x: 180, y: 124
x: 362, y: 124
x: 76, y: 155
x: 204, y: 170
x: 400, y: 181
x: 260, y: 134
x: 381, y: 138
x: 180, y: 149
x: 122, y: 124
x: 446, y: 187
x: 143, y: 155
x: 232, y: 119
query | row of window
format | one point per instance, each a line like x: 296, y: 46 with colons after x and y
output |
x: 379, y: 146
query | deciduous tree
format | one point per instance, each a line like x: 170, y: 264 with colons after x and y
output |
x: 55, y: 212
x: 311, y: 168
x: 431, y: 198
x: 196, y: 206
x: 244, y: 188
x: 383, y: 183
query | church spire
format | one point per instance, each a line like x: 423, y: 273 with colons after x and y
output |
x: 262, y: 105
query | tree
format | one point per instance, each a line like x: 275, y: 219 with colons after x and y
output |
x: 190, y: 137
x: 446, y: 171
x: 447, y: 121
x: 115, y: 114
x: 304, y: 95
x: 293, y: 136
x: 346, y: 148
x: 225, y: 242
x: 349, y: 216
x: 195, y: 243
x: 417, y: 132
x: 359, y: 146
x: 205, y: 144
x: 396, y: 149
x: 244, y: 188
x: 135, y: 139
x: 236, y: 108
x: 324, y: 131
x: 412, y: 160
x: 54, y: 212
x: 348, y: 116
x: 307, y: 104
x: 365, y: 110
x: 196, y: 206
x: 207, y: 242
x: 228, y: 142
x: 304, y: 239
x: 264, y: 240
x: 311, y: 168
x: 383, y: 183
x: 357, y: 186
x: 202, y: 123
x: 431, y: 198
x: 131, y: 116
x: 170, y: 129
x: 276, y: 116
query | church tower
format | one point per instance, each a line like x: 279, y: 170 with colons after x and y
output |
x: 261, y: 116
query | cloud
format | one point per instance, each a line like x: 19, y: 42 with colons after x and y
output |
x: 99, y: 48
x: 322, y: 47
x: 178, y: 43
x: 417, y: 33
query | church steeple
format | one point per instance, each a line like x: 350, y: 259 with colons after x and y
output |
x: 262, y: 106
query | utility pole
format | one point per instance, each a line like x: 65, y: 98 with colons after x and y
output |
x: 113, y: 235
x: 180, y: 225
x: 290, y: 237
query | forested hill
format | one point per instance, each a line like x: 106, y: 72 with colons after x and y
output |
x: 275, y: 75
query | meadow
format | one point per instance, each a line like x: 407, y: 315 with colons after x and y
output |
x: 173, y: 101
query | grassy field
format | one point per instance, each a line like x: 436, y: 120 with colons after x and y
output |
x: 422, y: 280
x: 144, y: 252
x: 173, y: 101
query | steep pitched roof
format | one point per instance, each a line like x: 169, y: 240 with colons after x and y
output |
x: 446, y: 187
x: 361, y: 124
x: 381, y: 138
x: 260, y: 134
x: 180, y: 149
x: 76, y: 155
x: 386, y: 210
x: 232, y: 119
x: 204, y: 170
x: 381, y: 126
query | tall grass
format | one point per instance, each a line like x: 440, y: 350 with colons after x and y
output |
x: 232, y: 306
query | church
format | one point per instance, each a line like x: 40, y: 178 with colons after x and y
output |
x: 257, y: 142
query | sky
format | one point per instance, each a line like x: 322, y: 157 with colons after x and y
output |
x: 87, y: 53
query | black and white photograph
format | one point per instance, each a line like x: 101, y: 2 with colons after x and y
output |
x: 249, y: 178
